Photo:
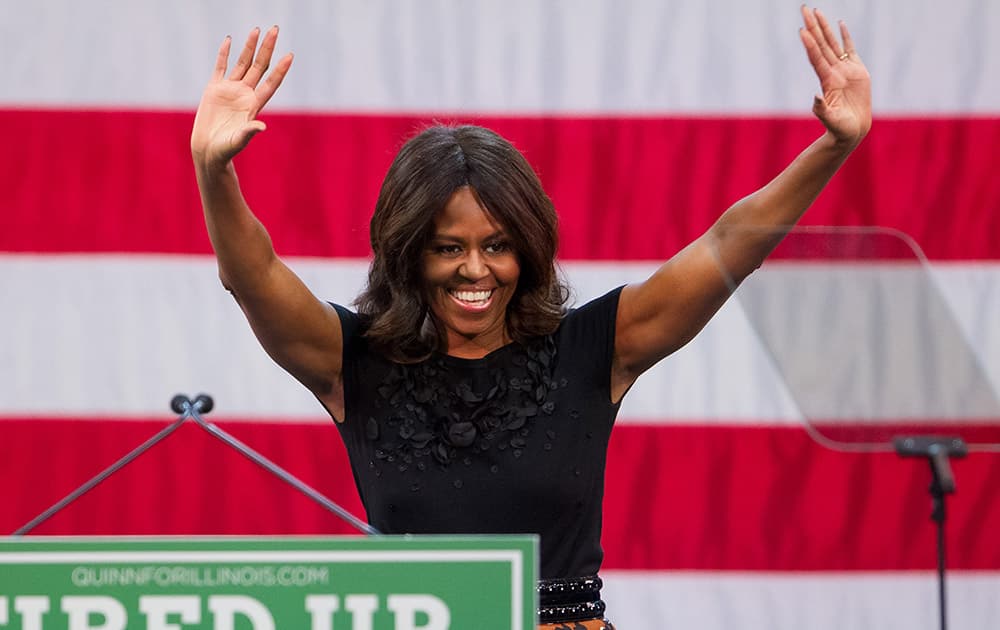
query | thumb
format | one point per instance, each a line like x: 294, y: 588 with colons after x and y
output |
x: 819, y: 106
x: 244, y: 135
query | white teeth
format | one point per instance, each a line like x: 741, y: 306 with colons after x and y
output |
x: 472, y: 296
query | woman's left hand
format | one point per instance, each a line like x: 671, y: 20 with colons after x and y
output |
x: 845, y: 106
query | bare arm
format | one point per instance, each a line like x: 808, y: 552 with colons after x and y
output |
x: 301, y: 333
x: 660, y: 315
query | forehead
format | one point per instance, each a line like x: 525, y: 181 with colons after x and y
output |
x: 462, y: 215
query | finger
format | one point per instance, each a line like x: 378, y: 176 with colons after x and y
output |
x: 273, y: 80
x: 819, y: 106
x: 263, y: 59
x: 828, y: 35
x: 222, y: 59
x: 816, y: 57
x: 848, y: 42
x: 814, y: 28
x: 244, y: 135
x: 246, y: 56
x: 819, y: 25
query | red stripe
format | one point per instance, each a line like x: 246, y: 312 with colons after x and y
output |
x: 771, y: 499
x: 632, y: 188
x: 722, y: 498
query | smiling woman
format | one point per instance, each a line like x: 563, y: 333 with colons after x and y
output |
x: 469, y: 399
x: 470, y: 273
x: 460, y: 195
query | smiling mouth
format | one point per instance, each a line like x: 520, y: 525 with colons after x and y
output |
x: 472, y: 299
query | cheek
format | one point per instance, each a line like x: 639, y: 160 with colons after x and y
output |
x: 435, y: 272
x: 509, y: 271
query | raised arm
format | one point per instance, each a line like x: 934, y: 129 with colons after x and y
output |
x: 301, y: 333
x: 660, y: 315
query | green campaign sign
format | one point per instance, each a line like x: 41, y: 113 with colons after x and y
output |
x: 336, y: 583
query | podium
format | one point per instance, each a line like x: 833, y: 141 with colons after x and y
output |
x: 249, y: 583
x: 372, y: 582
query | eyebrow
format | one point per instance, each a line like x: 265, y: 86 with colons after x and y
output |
x: 455, y: 239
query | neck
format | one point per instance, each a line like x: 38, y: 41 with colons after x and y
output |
x: 476, y: 347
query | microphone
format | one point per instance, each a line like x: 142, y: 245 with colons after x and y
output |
x: 181, y: 404
x: 203, y: 403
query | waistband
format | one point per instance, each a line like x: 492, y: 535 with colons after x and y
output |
x: 570, y: 599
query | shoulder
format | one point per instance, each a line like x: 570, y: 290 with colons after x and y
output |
x: 589, y: 330
x: 352, y: 326
x: 350, y: 322
x: 600, y: 309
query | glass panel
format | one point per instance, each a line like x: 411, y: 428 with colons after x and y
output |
x: 866, y: 344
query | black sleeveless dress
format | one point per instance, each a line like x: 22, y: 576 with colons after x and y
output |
x: 511, y: 443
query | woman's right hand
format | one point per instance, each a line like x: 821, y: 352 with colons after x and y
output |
x: 227, y: 115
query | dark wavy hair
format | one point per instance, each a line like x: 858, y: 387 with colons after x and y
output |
x: 429, y: 168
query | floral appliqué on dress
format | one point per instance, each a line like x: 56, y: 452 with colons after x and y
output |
x: 433, y: 418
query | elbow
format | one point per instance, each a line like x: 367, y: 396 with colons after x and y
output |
x: 228, y: 286
x: 225, y: 281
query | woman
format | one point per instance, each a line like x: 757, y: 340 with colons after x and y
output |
x: 468, y: 399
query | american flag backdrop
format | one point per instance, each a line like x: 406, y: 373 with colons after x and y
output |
x: 644, y: 119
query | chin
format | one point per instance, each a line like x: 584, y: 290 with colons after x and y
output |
x: 487, y: 326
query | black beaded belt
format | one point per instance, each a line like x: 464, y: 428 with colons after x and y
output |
x: 570, y: 599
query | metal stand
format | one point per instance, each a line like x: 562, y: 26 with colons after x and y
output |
x: 938, y: 451
x: 193, y: 409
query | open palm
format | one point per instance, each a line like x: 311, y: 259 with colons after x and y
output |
x: 227, y: 115
x: 845, y: 105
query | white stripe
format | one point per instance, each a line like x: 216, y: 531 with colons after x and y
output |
x: 640, y: 600
x: 117, y: 336
x: 596, y: 56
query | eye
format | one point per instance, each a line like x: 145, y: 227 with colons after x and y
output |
x: 497, y: 247
x: 447, y: 249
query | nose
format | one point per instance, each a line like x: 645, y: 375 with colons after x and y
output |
x: 473, y: 267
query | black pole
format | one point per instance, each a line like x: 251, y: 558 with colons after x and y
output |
x: 938, y: 515
x: 938, y: 452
